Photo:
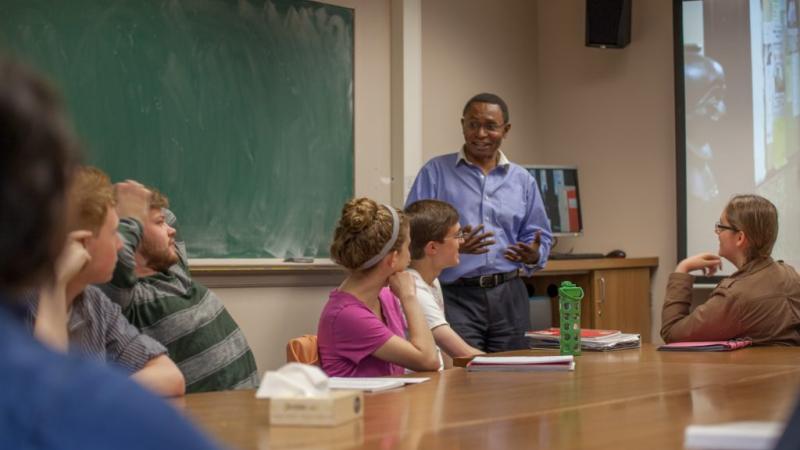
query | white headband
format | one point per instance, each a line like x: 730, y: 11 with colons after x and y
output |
x: 389, y: 244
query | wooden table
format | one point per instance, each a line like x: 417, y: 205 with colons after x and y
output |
x: 627, y: 399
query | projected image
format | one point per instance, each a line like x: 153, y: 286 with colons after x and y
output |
x: 775, y: 37
x: 559, y: 189
x: 742, y: 109
x: 704, y: 84
x: 776, y: 105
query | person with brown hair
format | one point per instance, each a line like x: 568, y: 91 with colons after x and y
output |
x: 760, y: 301
x: 49, y: 399
x: 78, y: 316
x: 435, y: 239
x: 361, y: 329
x: 153, y: 285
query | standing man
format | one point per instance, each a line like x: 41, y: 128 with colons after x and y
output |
x: 507, y: 230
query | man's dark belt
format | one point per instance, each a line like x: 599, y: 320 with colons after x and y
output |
x: 487, y: 281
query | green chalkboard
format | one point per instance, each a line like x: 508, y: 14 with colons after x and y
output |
x: 240, y: 111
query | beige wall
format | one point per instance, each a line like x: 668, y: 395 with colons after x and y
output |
x: 608, y: 111
x: 473, y: 46
x: 372, y: 94
x: 270, y: 317
x: 611, y: 113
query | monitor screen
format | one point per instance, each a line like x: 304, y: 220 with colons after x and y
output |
x: 562, y: 200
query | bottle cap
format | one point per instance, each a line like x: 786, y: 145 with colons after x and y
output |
x: 570, y: 290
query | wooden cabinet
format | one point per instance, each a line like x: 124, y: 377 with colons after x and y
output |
x: 616, y: 291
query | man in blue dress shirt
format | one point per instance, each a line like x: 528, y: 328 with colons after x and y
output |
x: 507, y: 232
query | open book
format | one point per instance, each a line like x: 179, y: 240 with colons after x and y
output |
x: 521, y: 363
x: 706, y: 346
x: 591, y: 339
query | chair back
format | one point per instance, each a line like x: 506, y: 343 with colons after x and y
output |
x: 303, y: 349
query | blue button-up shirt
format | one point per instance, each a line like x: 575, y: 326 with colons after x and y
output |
x: 507, y: 201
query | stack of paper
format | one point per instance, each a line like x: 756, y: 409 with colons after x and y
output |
x: 706, y: 346
x: 591, y: 339
x: 521, y: 363
x: 734, y: 435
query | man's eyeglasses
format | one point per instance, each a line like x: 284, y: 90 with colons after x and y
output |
x: 460, y: 236
x: 491, y: 127
x: 719, y: 227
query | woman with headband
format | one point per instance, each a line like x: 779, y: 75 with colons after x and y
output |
x: 362, y: 330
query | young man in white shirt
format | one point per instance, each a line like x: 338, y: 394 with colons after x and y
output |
x: 435, y: 238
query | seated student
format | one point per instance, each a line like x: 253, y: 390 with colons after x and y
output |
x: 361, y: 330
x: 153, y: 285
x: 95, y: 326
x: 49, y: 399
x: 760, y: 301
x: 435, y: 239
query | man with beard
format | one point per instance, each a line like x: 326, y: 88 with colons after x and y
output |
x: 153, y: 286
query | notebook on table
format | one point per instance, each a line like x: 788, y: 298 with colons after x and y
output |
x: 372, y: 384
x: 706, y: 346
x: 733, y: 435
x: 521, y: 363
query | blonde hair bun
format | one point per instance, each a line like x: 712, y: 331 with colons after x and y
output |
x: 359, y: 214
x: 363, y: 229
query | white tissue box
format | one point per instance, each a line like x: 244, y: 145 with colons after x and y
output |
x: 339, y: 407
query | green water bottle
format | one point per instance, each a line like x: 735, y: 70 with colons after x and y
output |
x: 569, y: 307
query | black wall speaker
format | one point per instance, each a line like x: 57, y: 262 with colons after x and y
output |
x: 608, y: 23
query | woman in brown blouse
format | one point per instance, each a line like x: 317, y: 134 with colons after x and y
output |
x: 760, y: 301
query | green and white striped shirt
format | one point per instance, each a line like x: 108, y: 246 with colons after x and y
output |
x: 188, y: 318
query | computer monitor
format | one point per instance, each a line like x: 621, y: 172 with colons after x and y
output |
x: 562, y: 201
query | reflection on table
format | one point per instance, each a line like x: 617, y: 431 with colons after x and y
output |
x: 637, y: 398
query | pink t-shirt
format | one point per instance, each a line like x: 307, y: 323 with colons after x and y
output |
x: 349, y: 333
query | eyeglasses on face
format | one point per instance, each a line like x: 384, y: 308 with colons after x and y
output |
x: 490, y: 127
x: 460, y: 236
x: 719, y: 227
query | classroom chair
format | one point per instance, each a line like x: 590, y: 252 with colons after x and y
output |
x: 303, y: 349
